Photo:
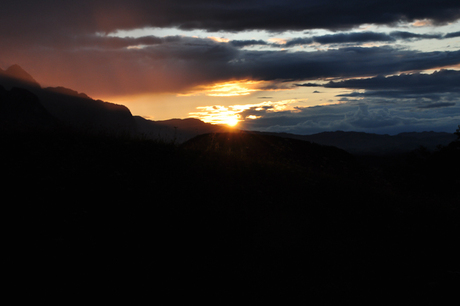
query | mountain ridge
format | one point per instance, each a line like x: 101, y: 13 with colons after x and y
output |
x: 362, y: 143
x: 81, y: 112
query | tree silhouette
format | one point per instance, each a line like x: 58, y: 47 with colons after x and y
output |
x: 457, y: 132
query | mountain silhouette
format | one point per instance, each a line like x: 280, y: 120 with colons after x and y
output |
x: 15, y: 72
x: 80, y: 112
x: 176, y: 130
x: 21, y: 109
x: 73, y: 110
x: 375, y: 144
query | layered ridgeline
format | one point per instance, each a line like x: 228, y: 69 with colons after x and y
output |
x: 361, y: 143
x: 25, y: 104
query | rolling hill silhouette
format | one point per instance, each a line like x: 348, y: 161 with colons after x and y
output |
x: 285, y: 152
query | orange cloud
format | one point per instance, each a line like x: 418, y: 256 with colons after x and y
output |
x: 228, y: 89
x: 422, y: 23
x: 219, y: 39
x: 231, y: 115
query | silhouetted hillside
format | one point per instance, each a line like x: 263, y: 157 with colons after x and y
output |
x: 376, y: 144
x: 74, y: 110
x: 79, y: 111
x: 225, y: 218
x: 15, y: 74
x: 228, y: 218
x: 175, y: 130
x: 21, y: 110
x: 274, y: 150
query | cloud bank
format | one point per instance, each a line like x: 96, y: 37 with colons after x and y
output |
x: 75, y: 45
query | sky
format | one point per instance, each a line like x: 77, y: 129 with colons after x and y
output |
x: 296, y: 66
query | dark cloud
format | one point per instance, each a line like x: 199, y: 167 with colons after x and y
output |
x: 66, y: 43
x: 361, y: 116
x: 353, y: 37
x: 363, y: 37
x: 99, y: 64
x: 452, y: 35
x: 413, y: 36
x: 345, y: 62
x: 88, y: 16
x: 442, y: 81
x: 245, y: 43
x: 40, y: 35
x: 437, y: 105
x: 296, y: 42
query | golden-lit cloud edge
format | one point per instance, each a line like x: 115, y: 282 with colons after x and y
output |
x: 233, y: 114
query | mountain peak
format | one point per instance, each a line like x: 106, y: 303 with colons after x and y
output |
x: 15, y: 71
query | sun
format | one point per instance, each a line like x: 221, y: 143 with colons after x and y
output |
x: 231, y: 121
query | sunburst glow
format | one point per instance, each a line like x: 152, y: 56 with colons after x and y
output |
x: 228, y: 89
x: 238, y: 88
x: 232, y: 115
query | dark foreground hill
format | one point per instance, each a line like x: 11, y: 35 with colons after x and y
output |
x: 286, y: 153
x: 247, y: 221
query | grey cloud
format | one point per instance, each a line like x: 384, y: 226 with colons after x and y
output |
x: 452, y: 35
x: 353, y: 37
x: 365, y: 117
x: 411, y: 36
x: 438, y: 82
x: 297, y: 41
x: 345, y: 62
x: 437, y: 105
x: 363, y: 37
x: 245, y: 43
x: 186, y: 62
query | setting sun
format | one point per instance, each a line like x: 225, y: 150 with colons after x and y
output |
x: 232, y: 121
x: 217, y: 114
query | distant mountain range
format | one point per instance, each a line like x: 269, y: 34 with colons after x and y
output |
x: 52, y: 105
x: 367, y: 143
x: 25, y: 104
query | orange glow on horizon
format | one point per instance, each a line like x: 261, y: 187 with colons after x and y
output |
x: 228, y: 89
x: 231, y: 115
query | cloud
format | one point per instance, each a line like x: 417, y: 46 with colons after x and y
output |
x: 437, y: 105
x: 91, y: 16
x: 99, y: 64
x: 452, y: 35
x: 351, y: 116
x: 245, y: 43
x: 67, y: 44
x: 364, y: 37
x: 435, y: 86
x: 40, y: 35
